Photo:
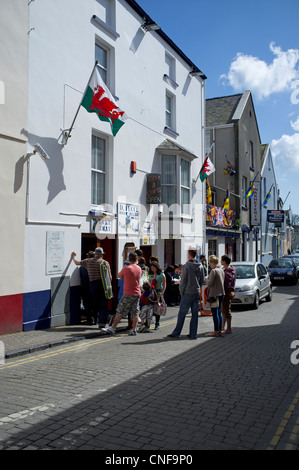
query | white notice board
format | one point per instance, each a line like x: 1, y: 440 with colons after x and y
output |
x: 54, y: 252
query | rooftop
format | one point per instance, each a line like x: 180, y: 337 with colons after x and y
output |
x: 220, y: 111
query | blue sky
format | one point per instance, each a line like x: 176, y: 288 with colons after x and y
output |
x: 242, y: 46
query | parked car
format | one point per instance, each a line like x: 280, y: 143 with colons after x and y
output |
x: 295, y: 258
x: 252, y: 283
x: 283, y: 269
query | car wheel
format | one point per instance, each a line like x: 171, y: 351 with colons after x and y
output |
x: 269, y: 296
x: 256, y: 302
x: 295, y: 282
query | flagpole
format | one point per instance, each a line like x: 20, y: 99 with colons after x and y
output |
x: 67, y: 132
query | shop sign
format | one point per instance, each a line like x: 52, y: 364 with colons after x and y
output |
x: 275, y: 216
x: 153, y: 190
x: 149, y: 236
x: 255, y: 212
x: 128, y: 219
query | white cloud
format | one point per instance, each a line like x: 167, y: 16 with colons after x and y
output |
x: 295, y: 125
x: 251, y: 73
x: 286, y: 152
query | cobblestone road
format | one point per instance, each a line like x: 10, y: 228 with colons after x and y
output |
x: 150, y: 392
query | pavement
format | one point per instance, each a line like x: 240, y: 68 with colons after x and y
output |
x: 26, y: 342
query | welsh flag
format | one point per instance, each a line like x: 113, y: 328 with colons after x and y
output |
x: 98, y: 99
x: 206, y: 170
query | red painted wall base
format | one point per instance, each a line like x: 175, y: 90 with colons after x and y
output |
x: 11, y: 314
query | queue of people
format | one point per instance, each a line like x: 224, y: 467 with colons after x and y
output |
x: 147, y: 287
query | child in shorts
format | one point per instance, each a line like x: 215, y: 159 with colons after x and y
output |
x: 147, y: 300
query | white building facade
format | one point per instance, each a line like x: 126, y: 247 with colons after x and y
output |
x: 90, y: 176
x: 13, y: 148
x: 270, y: 233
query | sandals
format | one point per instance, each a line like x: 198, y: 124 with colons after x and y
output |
x: 215, y: 333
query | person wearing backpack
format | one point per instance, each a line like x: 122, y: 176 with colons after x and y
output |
x: 99, y: 273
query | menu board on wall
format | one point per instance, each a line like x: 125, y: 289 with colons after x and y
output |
x: 153, y: 192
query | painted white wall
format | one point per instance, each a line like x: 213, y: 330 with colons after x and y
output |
x: 60, y: 63
x: 268, y: 177
x: 13, y: 118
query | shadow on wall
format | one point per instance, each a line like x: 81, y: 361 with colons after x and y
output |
x: 54, y: 164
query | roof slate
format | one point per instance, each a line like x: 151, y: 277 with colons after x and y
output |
x: 219, y: 111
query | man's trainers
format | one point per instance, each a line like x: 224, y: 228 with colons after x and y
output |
x: 109, y: 330
x: 141, y: 328
x: 133, y: 333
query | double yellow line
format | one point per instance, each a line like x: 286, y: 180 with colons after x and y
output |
x: 66, y: 349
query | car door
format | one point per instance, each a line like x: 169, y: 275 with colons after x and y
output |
x: 263, y: 280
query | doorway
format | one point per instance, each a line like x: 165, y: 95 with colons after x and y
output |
x: 89, y: 242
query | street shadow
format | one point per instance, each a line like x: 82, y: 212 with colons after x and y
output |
x: 225, y: 393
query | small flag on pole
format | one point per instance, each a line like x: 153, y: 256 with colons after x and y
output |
x: 229, y: 169
x: 267, y: 197
x: 206, y: 170
x: 250, y: 190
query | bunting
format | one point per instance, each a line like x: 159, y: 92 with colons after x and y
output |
x: 229, y: 169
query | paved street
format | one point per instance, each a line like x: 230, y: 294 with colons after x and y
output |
x: 150, y: 392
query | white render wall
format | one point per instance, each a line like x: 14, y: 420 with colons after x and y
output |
x: 62, y: 48
x: 13, y: 118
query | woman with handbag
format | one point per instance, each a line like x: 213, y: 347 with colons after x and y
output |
x: 158, y: 282
x: 215, y: 284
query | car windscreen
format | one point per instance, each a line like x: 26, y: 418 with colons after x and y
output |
x: 244, y: 272
x: 281, y: 263
x: 295, y: 259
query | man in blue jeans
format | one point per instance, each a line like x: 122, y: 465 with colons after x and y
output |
x: 191, y: 281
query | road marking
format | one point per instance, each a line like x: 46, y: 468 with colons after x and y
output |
x: 284, y: 422
x: 66, y: 349
x: 24, y: 413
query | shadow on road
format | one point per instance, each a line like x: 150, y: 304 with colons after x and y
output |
x: 222, y: 393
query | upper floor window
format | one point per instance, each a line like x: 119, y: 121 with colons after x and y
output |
x: 101, y: 55
x: 170, y: 66
x: 176, y: 175
x: 169, y: 110
x: 251, y: 155
x: 169, y: 179
x: 98, y: 170
x: 185, y: 186
x: 105, y: 11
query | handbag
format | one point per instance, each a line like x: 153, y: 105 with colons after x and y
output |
x: 160, y: 308
x: 213, y: 301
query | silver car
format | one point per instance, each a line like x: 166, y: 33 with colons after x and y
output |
x: 252, y: 283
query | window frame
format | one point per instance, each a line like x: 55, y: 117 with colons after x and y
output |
x: 103, y: 68
x: 169, y: 185
x: 251, y: 155
x: 96, y: 171
x: 177, y: 184
x: 182, y: 186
